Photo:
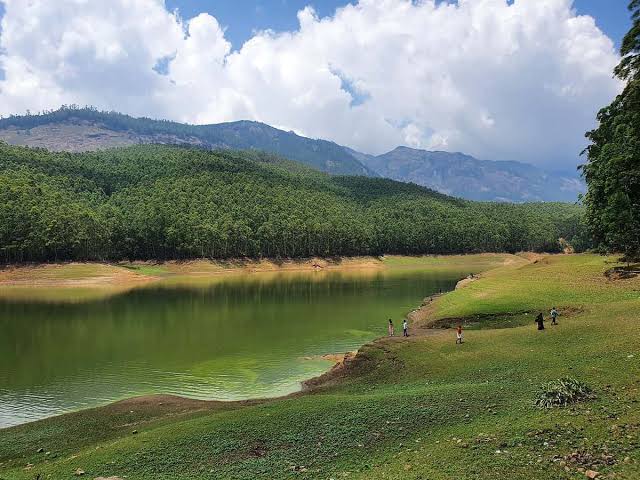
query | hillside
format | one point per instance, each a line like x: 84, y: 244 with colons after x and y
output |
x: 78, y: 130
x: 464, y: 176
x: 416, y: 408
x: 162, y: 202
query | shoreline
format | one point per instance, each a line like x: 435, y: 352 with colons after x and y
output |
x: 102, y: 274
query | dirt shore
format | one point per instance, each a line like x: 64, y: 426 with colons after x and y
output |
x: 90, y: 274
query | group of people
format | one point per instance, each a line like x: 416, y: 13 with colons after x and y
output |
x: 459, y: 336
x: 554, y: 318
x: 405, y: 328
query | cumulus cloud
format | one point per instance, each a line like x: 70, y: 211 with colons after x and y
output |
x: 517, y: 80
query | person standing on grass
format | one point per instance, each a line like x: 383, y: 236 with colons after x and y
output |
x: 405, y: 328
x: 554, y: 316
x: 540, y: 321
x: 459, y: 335
x: 390, y: 328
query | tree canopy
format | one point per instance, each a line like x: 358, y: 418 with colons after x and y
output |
x: 612, y: 171
x: 167, y: 202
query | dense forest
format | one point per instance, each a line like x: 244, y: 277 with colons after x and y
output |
x: 163, y: 202
x: 612, y: 171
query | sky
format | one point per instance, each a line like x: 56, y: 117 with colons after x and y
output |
x: 241, y: 18
x: 498, y: 79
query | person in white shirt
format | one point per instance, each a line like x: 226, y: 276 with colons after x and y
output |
x: 405, y: 328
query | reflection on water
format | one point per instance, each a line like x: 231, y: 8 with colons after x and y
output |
x: 234, y: 338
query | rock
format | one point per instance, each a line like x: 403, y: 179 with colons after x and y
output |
x: 40, y: 450
x: 78, y: 472
x: 592, y: 474
x: 134, y: 432
x: 627, y: 459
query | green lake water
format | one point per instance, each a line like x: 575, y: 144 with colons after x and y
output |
x: 249, y: 336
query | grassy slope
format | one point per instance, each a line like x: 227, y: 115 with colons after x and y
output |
x: 417, y: 409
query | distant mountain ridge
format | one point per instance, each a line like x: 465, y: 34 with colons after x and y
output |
x: 464, y: 176
x: 456, y: 174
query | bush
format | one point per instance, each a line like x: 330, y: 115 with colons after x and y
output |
x: 562, y: 392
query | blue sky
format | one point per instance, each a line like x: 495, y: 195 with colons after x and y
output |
x: 242, y: 17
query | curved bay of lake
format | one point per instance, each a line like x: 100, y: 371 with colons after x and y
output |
x: 231, y: 338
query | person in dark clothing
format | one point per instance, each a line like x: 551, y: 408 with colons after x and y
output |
x: 540, y: 321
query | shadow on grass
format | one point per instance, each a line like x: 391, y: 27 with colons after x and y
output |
x: 501, y: 320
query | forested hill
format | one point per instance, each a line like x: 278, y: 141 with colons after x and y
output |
x: 87, y: 129
x: 161, y: 202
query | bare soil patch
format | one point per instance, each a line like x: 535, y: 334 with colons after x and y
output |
x: 623, y: 272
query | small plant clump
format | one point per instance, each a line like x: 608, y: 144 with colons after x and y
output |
x: 562, y: 392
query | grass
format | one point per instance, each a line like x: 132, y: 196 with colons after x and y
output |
x: 422, y: 408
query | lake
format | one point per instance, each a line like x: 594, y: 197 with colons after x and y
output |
x: 229, y: 338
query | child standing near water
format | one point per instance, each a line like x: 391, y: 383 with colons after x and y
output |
x: 390, y: 328
x: 459, y: 335
x: 405, y: 328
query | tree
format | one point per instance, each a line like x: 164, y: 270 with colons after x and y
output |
x: 612, y: 171
x: 163, y: 202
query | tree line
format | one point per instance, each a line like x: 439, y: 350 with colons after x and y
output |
x: 168, y: 202
x: 612, y: 171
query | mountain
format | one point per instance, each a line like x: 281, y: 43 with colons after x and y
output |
x: 464, y: 176
x: 86, y: 129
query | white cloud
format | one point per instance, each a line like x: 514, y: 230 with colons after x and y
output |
x: 518, y: 81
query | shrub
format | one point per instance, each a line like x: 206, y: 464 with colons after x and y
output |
x: 562, y: 392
